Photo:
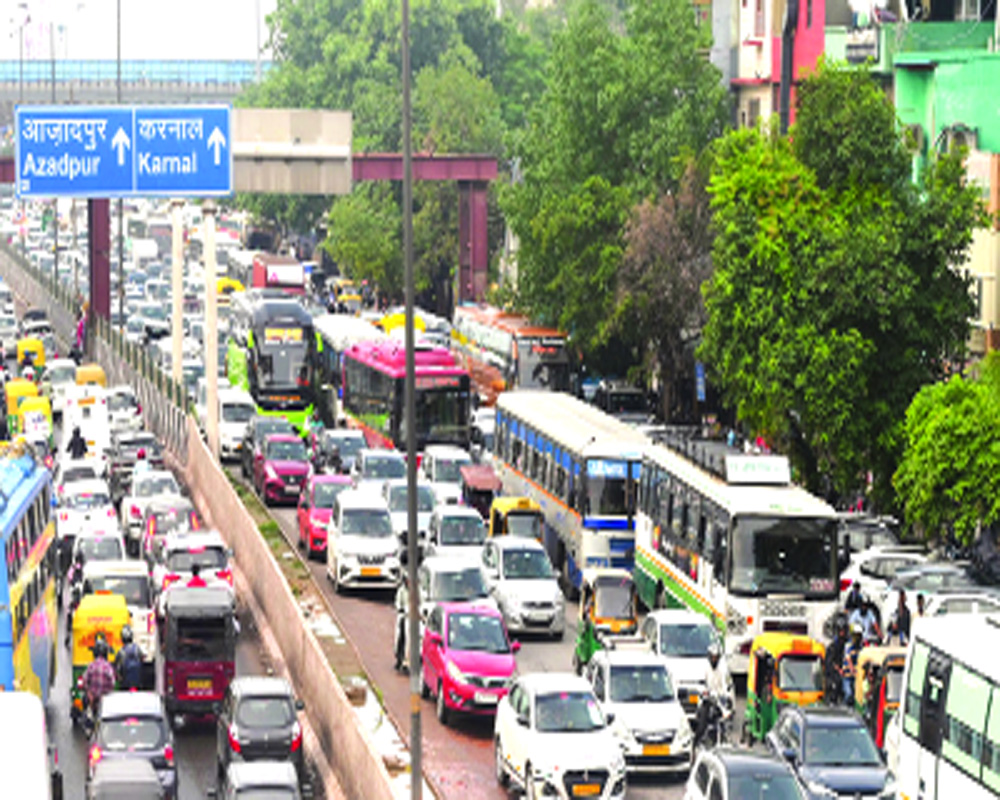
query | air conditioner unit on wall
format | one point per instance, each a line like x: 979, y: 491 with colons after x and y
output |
x: 961, y: 136
x: 914, y: 137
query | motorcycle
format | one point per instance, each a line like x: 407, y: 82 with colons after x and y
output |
x: 718, y: 722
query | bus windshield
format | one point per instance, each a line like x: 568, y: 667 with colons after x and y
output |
x: 784, y: 555
x: 282, y: 361
x: 609, y: 493
x: 543, y: 365
x: 443, y: 416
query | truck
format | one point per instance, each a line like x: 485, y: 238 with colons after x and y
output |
x: 272, y: 271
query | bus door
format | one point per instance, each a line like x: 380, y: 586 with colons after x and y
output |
x: 932, y: 724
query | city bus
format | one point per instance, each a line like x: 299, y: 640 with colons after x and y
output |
x: 271, y: 354
x: 581, y: 466
x: 374, y: 386
x: 507, y: 351
x: 337, y: 333
x: 28, y: 584
x: 945, y: 739
x: 728, y: 535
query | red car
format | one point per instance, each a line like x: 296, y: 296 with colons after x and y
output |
x: 280, y: 475
x: 315, y: 508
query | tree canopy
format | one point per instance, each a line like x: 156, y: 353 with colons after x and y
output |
x: 835, y: 295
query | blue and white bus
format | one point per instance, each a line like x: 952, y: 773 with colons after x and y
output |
x: 581, y: 466
x: 28, y: 615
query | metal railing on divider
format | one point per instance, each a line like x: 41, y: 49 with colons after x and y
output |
x: 164, y: 404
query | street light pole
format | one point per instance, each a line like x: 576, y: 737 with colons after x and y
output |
x: 121, y: 242
x: 55, y: 200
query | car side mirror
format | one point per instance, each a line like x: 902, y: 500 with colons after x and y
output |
x: 790, y: 754
x: 515, y: 647
x: 300, y: 706
x: 435, y: 638
x: 522, y: 719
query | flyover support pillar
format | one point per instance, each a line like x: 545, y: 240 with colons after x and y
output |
x: 473, y: 250
x: 99, y: 247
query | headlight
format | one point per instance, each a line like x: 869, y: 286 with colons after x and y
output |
x: 684, y: 735
x: 455, y: 673
x: 819, y: 789
x: 889, y: 790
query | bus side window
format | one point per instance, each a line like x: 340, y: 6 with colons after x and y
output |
x: 965, y: 720
x: 991, y: 747
x: 719, y: 550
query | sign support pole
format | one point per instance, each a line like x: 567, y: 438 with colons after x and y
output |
x: 208, y: 210
x: 177, y: 289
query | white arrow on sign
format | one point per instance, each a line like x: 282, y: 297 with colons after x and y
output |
x: 218, y: 141
x: 120, y: 142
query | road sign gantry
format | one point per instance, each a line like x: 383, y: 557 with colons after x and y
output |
x: 123, y: 151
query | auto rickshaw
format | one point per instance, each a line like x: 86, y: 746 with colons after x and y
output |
x: 91, y: 375
x: 199, y: 649
x: 516, y: 516
x: 785, y: 669
x: 878, y: 687
x: 480, y: 486
x: 226, y: 286
x: 101, y: 614
x: 34, y: 421
x: 16, y: 389
x: 607, y: 610
x: 31, y: 350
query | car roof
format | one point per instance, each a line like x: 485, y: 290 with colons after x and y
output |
x: 446, y: 451
x: 827, y: 716
x: 261, y: 686
x: 359, y: 498
x: 122, y: 704
x: 480, y: 609
x: 128, y: 567
x: 344, y: 433
x: 678, y: 616
x: 326, y: 477
x: 379, y: 452
x: 153, y: 474
x: 282, y: 437
x: 631, y: 656
x: 456, y: 510
x: 516, y: 543
x: 246, y: 774
x: 449, y: 563
x: 87, y: 486
x: 194, y: 540
x: 550, y: 682
x: 169, y: 501
x: 739, y: 761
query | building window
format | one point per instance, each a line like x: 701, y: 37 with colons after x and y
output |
x: 754, y: 112
x: 758, y: 22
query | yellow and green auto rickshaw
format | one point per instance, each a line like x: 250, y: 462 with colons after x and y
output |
x: 516, y: 516
x: 878, y: 687
x: 15, y: 390
x: 91, y: 375
x: 785, y: 669
x: 31, y: 350
x: 98, y: 615
x: 607, y: 609
x: 34, y: 421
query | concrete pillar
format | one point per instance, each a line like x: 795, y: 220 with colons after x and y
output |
x: 473, y: 247
x: 99, y: 252
x: 177, y: 289
x: 208, y: 210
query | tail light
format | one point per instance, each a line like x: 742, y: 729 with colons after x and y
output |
x: 138, y: 408
x: 169, y: 578
x: 111, y: 512
x: 63, y: 516
x: 170, y: 680
x: 296, y: 736
x: 195, y: 523
x: 168, y: 753
x: 225, y: 575
x: 95, y: 755
x: 149, y: 623
x: 845, y: 584
x: 234, y: 743
x: 135, y: 513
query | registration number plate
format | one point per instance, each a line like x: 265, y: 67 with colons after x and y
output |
x: 486, y: 699
x: 656, y: 750
x: 371, y: 572
x: 586, y: 790
x: 86, y: 401
x: 200, y: 685
x: 291, y: 490
x: 693, y: 699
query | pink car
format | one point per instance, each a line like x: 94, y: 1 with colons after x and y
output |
x: 280, y: 475
x: 315, y: 508
x: 468, y: 659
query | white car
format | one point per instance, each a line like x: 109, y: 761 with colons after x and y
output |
x: 85, y: 505
x: 99, y: 543
x: 179, y: 554
x: 60, y: 374
x: 876, y: 567
x: 395, y: 494
x: 456, y: 531
x: 72, y: 470
x: 236, y: 409
x: 373, y: 467
x: 634, y: 687
x: 520, y: 577
x: 441, y: 465
x: 124, y: 409
x: 361, y: 548
x: 551, y: 739
x: 682, y: 638
x: 959, y: 602
x: 146, y: 487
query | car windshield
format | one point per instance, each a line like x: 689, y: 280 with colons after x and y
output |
x: 132, y: 733
x: 462, y: 531
x: 57, y: 375
x: 161, y: 484
x: 526, y: 564
x: 265, y: 712
x: 784, y: 555
x: 286, y: 451
x: 465, y: 584
x: 326, y: 493
x: 101, y: 548
x: 447, y: 470
x: 800, y: 674
x: 205, y: 558
x: 385, y: 468
x: 371, y: 522
x: 479, y: 632
x: 646, y: 683
x: 87, y: 501
x: 527, y: 525
x: 764, y: 787
x: 840, y: 745
x: 269, y: 425
x: 565, y: 712
x: 134, y: 588
x: 685, y: 641
x: 347, y: 445
x: 237, y: 412
x: 120, y: 401
x: 425, y: 498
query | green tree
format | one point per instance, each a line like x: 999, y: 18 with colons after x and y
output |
x: 949, y: 475
x: 834, y: 296
x: 365, y: 230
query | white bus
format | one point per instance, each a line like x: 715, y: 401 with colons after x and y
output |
x: 728, y: 535
x: 25, y: 763
x: 948, y: 726
x: 581, y: 466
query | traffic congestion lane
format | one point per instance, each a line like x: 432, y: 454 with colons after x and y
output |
x: 458, y: 758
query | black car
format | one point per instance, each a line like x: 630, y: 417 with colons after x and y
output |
x: 260, y: 427
x: 133, y: 725
x: 349, y: 443
x: 832, y: 753
x: 727, y: 773
x: 125, y: 447
x: 275, y: 780
x: 258, y: 721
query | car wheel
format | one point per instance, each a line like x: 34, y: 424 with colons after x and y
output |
x: 441, y: 705
x: 501, y: 769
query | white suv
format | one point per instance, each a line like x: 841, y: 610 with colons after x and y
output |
x: 551, y: 739
x: 361, y: 547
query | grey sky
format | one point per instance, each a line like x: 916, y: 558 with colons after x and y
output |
x: 151, y: 29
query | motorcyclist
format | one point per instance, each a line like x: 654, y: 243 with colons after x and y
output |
x: 718, y: 690
x: 99, y: 679
x: 835, y: 663
x: 850, y: 662
x: 333, y: 460
x: 77, y: 447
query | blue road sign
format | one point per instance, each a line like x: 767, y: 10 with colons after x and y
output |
x: 123, y: 151
x: 699, y: 381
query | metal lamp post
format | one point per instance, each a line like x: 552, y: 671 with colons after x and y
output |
x: 121, y: 241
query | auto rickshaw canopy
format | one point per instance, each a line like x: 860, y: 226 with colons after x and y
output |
x: 91, y: 375
x: 390, y: 322
x: 881, y: 658
x: 607, y: 599
x: 34, y: 417
x: 506, y: 508
x: 226, y: 286
x: 17, y: 388
x: 100, y: 613
x: 33, y: 345
x: 480, y: 485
